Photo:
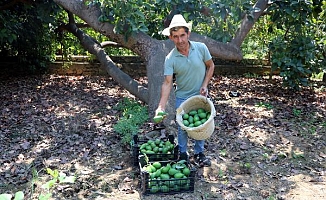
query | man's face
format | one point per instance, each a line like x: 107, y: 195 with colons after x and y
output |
x: 180, y: 38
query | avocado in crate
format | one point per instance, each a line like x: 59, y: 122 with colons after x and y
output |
x: 166, y: 177
x: 156, y: 150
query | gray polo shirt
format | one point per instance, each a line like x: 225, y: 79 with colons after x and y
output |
x: 189, y: 71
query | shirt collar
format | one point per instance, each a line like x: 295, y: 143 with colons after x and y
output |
x: 177, y: 53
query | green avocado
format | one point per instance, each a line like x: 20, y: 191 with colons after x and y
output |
x: 162, y: 113
x: 157, y: 119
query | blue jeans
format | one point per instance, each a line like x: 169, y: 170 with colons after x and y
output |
x: 183, y: 136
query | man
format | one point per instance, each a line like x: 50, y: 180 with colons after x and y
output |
x: 193, y: 67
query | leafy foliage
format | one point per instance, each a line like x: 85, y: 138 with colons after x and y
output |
x: 295, y: 27
x: 289, y: 33
x: 227, y: 16
x: 256, y: 44
x: 133, y: 115
x: 218, y: 20
x: 27, y: 31
x: 297, y: 50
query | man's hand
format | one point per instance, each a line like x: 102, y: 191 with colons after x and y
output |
x: 159, y: 115
x: 159, y: 110
x: 203, y: 91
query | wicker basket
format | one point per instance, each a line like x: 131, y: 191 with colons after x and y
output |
x: 205, y: 130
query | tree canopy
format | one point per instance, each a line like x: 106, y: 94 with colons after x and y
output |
x: 27, y: 30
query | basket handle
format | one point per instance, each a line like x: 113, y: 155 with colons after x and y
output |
x: 209, y: 97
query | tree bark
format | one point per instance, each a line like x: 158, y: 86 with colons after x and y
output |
x: 155, y: 69
x: 227, y: 51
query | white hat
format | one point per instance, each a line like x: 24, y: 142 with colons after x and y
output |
x: 177, y: 20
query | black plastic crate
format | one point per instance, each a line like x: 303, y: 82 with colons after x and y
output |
x: 138, y: 141
x: 171, y: 185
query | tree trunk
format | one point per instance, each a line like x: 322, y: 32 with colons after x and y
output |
x: 155, y: 74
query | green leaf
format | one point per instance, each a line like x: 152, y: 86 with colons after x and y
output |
x: 5, y: 196
x: 247, y: 165
x: 45, y: 197
x: 140, y: 14
x: 49, y: 184
x: 63, y: 178
x: 49, y: 171
x: 69, y: 179
x: 19, y: 195
x: 143, y: 29
x: 223, y: 152
x: 53, y: 173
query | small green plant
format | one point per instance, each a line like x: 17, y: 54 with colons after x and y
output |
x: 320, y: 89
x: 126, y: 129
x: 297, y: 155
x: 310, y: 123
x: 281, y: 155
x: 268, y: 106
x: 223, y: 152
x: 313, y: 130
x: 296, y: 112
x: 34, y: 179
x: 57, y: 178
x: 133, y: 115
x: 245, y: 166
x: 323, y: 124
x: 220, y: 173
x: 272, y: 197
x: 317, y: 76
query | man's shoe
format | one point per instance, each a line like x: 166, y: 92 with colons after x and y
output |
x: 183, y: 156
x: 201, y: 160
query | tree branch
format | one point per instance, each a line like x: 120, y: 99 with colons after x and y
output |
x: 95, y: 48
x: 247, y: 24
x: 110, y: 44
x: 220, y: 50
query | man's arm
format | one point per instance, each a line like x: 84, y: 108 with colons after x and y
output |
x: 209, y: 74
x: 165, y: 92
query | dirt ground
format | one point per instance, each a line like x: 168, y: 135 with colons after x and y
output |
x: 269, y: 143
